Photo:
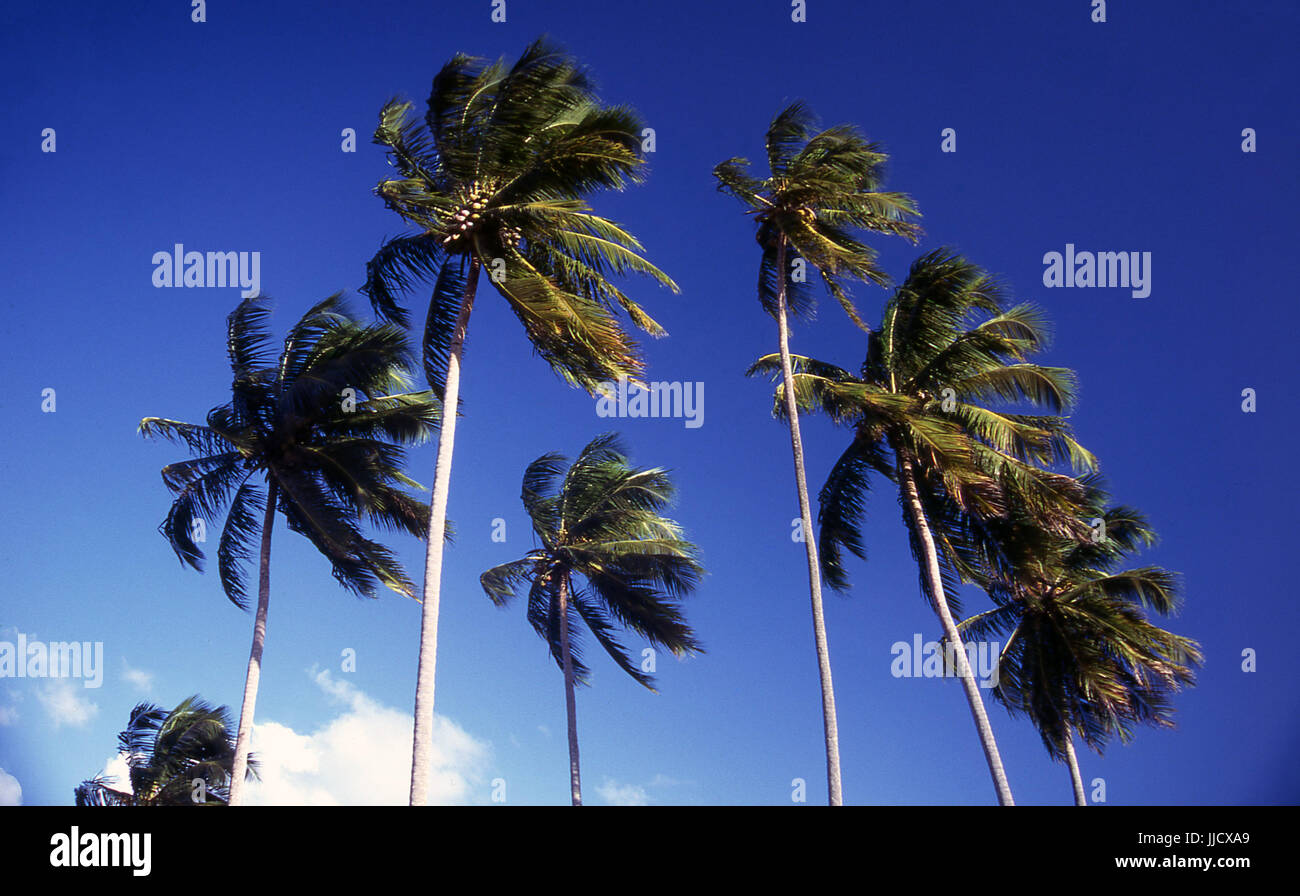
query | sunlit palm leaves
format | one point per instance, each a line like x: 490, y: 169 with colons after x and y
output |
x: 495, y: 177
x: 944, y: 382
x: 821, y: 188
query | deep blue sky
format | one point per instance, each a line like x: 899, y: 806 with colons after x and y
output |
x: 225, y: 135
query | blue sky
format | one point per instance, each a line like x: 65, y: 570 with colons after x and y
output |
x: 225, y: 136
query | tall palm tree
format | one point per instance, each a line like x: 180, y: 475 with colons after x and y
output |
x: 168, y: 752
x: 321, y: 429
x: 820, y: 188
x: 599, y: 521
x: 1081, y: 655
x: 923, y: 416
x: 494, y: 179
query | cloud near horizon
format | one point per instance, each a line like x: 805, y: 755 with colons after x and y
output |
x: 362, y: 756
x: 11, y: 792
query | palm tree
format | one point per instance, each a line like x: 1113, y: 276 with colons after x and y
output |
x: 494, y: 179
x: 946, y: 349
x: 820, y: 187
x: 600, y: 521
x: 1081, y: 655
x: 320, y: 427
x: 168, y: 754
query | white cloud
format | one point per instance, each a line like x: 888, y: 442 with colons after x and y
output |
x: 617, y: 794
x: 11, y: 792
x: 360, y: 757
x: 65, y: 702
x: 9, y: 714
x: 117, y: 773
x: 138, y: 678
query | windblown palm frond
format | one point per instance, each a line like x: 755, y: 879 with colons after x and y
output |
x: 178, y: 757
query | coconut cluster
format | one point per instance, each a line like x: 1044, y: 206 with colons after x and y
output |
x: 467, y: 216
x: 511, y: 237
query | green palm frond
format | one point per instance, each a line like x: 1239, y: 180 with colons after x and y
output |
x: 398, y: 265
x: 842, y: 509
x: 238, y: 536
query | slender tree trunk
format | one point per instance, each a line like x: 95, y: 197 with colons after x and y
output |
x: 422, y: 744
x: 829, y: 723
x: 1080, y: 799
x: 575, y: 776
x: 254, y: 675
x: 907, y: 480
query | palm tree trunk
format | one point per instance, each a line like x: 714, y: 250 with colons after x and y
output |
x: 907, y: 480
x: 243, y: 741
x: 575, y: 776
x: 814, y: 570
x: 422, y: 743
x: 1080, y: 798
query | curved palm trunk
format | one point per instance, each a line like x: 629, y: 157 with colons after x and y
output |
x: 814, y: 570
x: 575, y: 776
x: 422, y: 742
x: 243, y: 740
x: 907, y: 481
x: 1080, y: 798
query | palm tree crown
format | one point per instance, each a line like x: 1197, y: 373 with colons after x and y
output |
x: 319, y: 424
x: 948, y: 358
x: 600, y: 521
x: 494, y: 177
x: 168, y: 752
x: 821, y: 186
x: 1081, y: 656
